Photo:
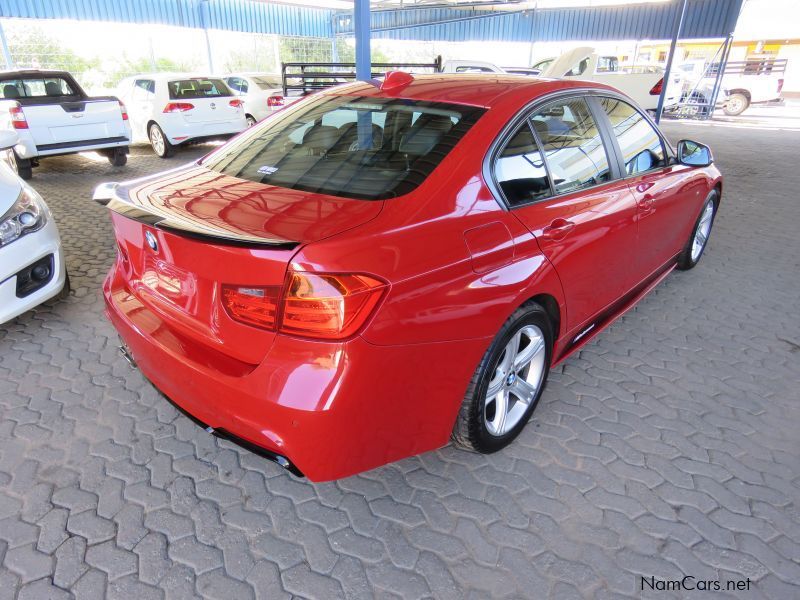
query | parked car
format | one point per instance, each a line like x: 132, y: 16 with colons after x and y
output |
x: 32, y: 267
x: 586, y: 64
x: 744, y: 82
x: 52, y: 115
x: 262, y: 94
x: 377, y: 269
x: 174, y: 109
x: 480, y: 66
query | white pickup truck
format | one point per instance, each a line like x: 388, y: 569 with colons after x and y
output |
x: 746, y: 82
x: 52, y: 115
x: 643, y: 86
x: 480, y: 66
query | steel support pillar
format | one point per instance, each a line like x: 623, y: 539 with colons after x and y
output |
x: 204, y: 20
x: 723, y: 63
x: 676, y: 32
x: 6, y: 51
x: 361, y: 25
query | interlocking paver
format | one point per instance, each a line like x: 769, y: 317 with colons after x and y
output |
x: 668, y: 446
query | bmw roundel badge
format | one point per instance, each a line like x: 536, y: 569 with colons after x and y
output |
x: 151, y: 241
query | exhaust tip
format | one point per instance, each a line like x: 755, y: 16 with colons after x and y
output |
x: 126, y: 354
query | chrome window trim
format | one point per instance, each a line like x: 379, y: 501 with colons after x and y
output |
x: 667, y: 149
x: 603, y: 125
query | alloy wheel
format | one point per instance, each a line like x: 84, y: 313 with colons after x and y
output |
x: 702, y: 231
x: 157, y: 140
x: 516, y: 380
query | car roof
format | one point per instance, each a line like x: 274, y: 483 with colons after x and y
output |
x: 252, y: 74
x: 11, y: 73
x: 165, y: 76
x: 478, y: 89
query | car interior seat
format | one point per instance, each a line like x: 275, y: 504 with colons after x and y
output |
x: 10, y: 91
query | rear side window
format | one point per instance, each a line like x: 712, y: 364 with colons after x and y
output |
x: 143, y: 89
x: 641, y: 146
x: 520, y: 170
x: 197, y: 88
x: 238, y: 84
x: 573, y: 148
x: 356, y: 147
x: 36, y: 87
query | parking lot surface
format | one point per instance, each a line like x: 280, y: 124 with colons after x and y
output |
x: 669, y: 446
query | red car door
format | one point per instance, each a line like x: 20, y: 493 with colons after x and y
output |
x: 582, y: 214
x: 664, y: 192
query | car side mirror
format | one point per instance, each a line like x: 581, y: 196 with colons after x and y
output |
x: 694, y: 154
x: 8, y: 139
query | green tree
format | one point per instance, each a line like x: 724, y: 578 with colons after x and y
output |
x: 126, y: 67
x: 31, y: 48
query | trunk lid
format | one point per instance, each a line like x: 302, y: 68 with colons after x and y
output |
x: 184, y: 234
x: 212, y: 110
x: 74, y: 121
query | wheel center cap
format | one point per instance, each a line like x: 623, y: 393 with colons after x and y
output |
x: 512, y: 377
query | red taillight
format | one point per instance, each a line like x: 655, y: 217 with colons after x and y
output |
x: 178, y: 107
x: 252, y: 305
x: 18, y: 120
x: 328, y: 306
x: 780, y: 85
x: 236, y: 103
x: 318, y: 305
x: 275, y: 101
x: 124, y: 110
x: 656, y: 89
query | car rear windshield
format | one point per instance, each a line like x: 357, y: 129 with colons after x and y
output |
x: 356, y: 147
x: 197, y: 88
x: 36, y: 87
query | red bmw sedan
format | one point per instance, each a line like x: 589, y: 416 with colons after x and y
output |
x: 376, y: 270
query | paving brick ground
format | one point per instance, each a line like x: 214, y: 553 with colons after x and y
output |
x: 669, y: 446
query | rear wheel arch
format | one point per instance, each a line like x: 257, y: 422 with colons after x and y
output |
x: 743, y: 92
x: 550, y: 305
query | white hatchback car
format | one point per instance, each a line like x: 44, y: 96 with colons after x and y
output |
x: 32, y: 267
x: 262, y: 94
x: 171, y: 109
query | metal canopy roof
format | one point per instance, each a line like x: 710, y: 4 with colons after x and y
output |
x: 704, y: 19
x: 440, y: 20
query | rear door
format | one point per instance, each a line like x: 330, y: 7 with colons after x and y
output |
x: 665, y: 191
x: 558, y: 178
x: 141, y: 104
x: 211, y: 100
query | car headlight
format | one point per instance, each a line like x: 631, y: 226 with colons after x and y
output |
x: 26, y: 215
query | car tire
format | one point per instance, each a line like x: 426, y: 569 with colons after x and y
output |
x: 118, y: 157
x: 698, y: 240
x: 64, y: 293
x: 736, y: 104
x: 23, y: 166
x: 159, y: 142
x: 251, y: 120
x: 488, y: 421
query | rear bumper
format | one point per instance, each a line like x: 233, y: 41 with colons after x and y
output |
x: 180, y: 132
x: 18, y: 255
x: 27, y: 149
x: 332, y: 409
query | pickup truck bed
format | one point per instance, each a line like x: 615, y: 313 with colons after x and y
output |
x: 53, y: 115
